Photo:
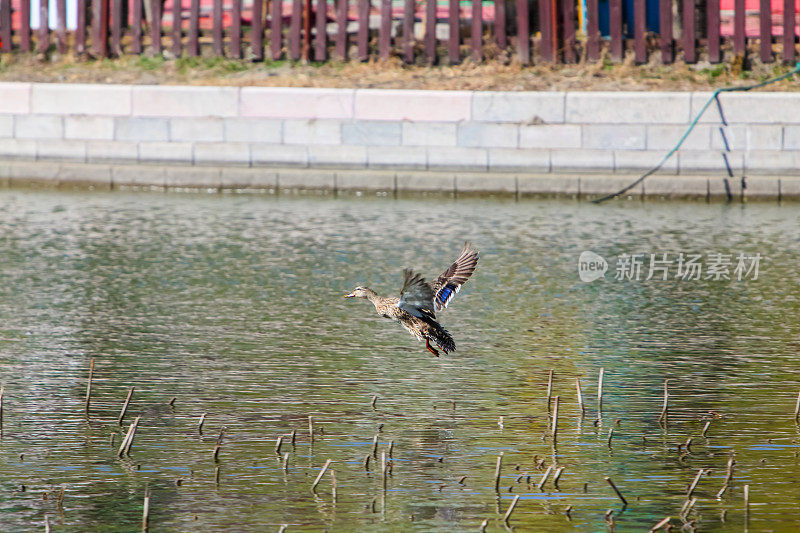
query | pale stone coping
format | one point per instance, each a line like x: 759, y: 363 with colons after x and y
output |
x: 291, y: 180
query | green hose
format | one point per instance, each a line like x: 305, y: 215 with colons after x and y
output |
x: 714, y: 96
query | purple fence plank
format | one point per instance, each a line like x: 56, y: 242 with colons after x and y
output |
x: 714, y: 53
x: 476, y: 34
x: 177, y: 31
x: 500, y: 24
x: 257, y: 30
x: 665, y: 30
x: 408, y: 31
x: 430, y: 31
x: 593, y: 30
x: 25, y: 27
x: 116, y: 27
x: 216, y: 27
x: 362, y: 37
x: 43, y: 33
x: 385, y: 30
x: 236, y: 29
x: 523, y: 33
x: 136, y: 31
x: 294, y: 30
x: 61, y: 26
x: 454, y: 33
x: 765, y: 30
x: 738, y: 27
x: 788, y: 31
x: 193, y: 41
x: 99, y: 27
x: 321, y: 37
x: 155, y: 27
x: 341, y: 30
x: 546, y: 21
x: 275, y: 30
x: 615, y: 23
x: 639, y: 44
x: 5, y: 25
x: 689, y: 39
x: 569, y: 30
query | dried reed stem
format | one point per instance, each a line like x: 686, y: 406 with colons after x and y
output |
x: 542, y: 481
x: 600, y: 392
x: 619, y: 494
x: 580, y: 396
x: 497, y: 472
x: 321, y: 473
x: 372, y: 403
x: 549, y: 387
x: 200, y: 423
x: 146, y: 509
x: 694, y: 483
x: 391, y: 448
x: 333, y: 484
x: 665, y: 407
x: 660, y: 524
x: 311, y: 429
x: 278, y: 445
x: 125, y: 406
x: 557, y: 476
x: 384, y: 470
x: 510, y: 509
x: 554, y: 429
x: 797, y: 408
x: 375, y: 446
x: 124, y: 448
x: 747, y: 499
x: 89, y: 385
x: 705, y: 428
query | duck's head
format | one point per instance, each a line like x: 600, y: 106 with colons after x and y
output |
x: 358, y: 292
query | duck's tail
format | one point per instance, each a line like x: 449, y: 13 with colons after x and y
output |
x: 440, y: 336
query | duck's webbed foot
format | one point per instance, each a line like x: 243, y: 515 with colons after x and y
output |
x: 430, y: 348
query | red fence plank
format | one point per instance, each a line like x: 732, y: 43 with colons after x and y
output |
x: 177, y: 31
x: 500, y: 24
x: 216, y: 26
x: 257, y: 30
x: 738, y: 27
x: 454, y: 37
x: 363, y: 30
x: 615, y: 23
x: 294, y: 30
x: 712, y: 32
x: 155, y: 27
x: 306, y: 30
x: 546, y: 21
x: 61, y: 26
x: 5, y: 25
x: 765, y: 30
x: 568, y: 20
x: 236, y: 29
x: 25, y: 27
x: 193, y: 40
x: 593, y: 30
x: 321, y: 38
x: 275, y: 30
x: 788, y: 31
x: 43, y: 34
x: 99, y: 26
x: 341, y: 29
x: 408, y: 31
x: 689, y: 38
x: 385, y: 30
x: 523, y: 33
x: 116, y: 27
x: 136, y: 31
x: 639, y: 44
x: 430, y: 31
x: 476, y: 33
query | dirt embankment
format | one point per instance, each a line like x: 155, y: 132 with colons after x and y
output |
x: 392, y: 74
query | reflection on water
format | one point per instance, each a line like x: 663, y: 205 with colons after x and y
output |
x: 233, y: 305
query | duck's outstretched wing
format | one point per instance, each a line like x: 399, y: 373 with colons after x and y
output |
x: 449, y: 283
x: 416, y: 296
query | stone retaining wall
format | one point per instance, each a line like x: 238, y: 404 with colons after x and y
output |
x: 415, y: 135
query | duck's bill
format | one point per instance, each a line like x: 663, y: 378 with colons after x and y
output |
x: 351, y: 295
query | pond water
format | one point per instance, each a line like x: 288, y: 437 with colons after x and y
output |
x: 232, y: 305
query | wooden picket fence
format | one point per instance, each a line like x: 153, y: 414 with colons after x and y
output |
x: 544, y: 31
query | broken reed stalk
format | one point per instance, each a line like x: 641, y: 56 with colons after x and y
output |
x: 797, y: 408
x: 146, y: 509
x: 216, y: 475
x: 282, y: 528
x: 200, y: 423
x: 172, y: 402
x: 746, y: 499
x: 128, y: 440
x: 554, y: 429
x: 285, y: 464
x: 729, y: 473
x: 497, y: 472
x: 580, y: 396
x: 549, y: 387
x: 321, y: 473
x: 384, y: 469
x: 375, y: 446
x: 294, y: 436
x: 482, y: 528
x: 665, y: 407
x: 89, y: 385
x: 311, y: 429
x: 46, y: 524
x: 694, y: 483
x: 619, y: 494
x: 374, y: 399
x: 2, y: 389
x: 600, y: 392
x: 125, y: 406
x: 610, y: 436
x: 705, y: 428
x: 557, y: 476
x: 542, y: 481
x: 391, y: 448
x: 660, y: 524
x: 510, y: 509
x: 366, y: 461
x: 278, y: 444
x: 333, y: 485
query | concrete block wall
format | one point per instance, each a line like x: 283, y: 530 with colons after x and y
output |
x: 506, y: 133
